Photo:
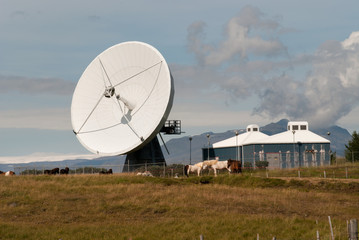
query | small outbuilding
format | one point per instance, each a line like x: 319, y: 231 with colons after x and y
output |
x: 296, y: 147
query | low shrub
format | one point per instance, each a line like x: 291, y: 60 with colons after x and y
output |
x: 262, y: 164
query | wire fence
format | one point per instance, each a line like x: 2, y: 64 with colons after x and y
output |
x: 343, y: 168
x: 157, y: 169
x: 340, y: 171
x: 347, y: 171
x: 351, y: 232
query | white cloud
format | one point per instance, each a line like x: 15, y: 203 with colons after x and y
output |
x: 31, y: 86
x: 241, y: 39
x: 210, y: 116
x: 50, y: 118
x: 350, y: 121
x: 251, y: 61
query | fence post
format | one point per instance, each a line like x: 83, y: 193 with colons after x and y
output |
x: 299, y: 173
x: 346, y: 172
x: 331, y: 228
x: 353, y: 229
x: 257, y: 236
x: 164, y: 169
x: 325, y: 174
x: 353, y: 157
x: 348, y: 230
x: 318, y: 237
x: 201, y: 237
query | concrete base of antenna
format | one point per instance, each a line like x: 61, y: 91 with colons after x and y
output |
x: 150, y: 155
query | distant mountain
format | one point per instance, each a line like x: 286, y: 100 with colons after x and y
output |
x: 274, y: 128
x: 338, y: 138
x: 113, y: 162
x: 179, y: 148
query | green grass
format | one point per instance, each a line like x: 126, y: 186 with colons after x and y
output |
x: 342, y: 171
x: 134, y: 207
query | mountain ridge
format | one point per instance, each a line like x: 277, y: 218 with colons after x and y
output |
x: 179, y: 148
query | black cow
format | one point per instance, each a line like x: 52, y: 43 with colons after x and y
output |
x: 106, y: 172
x: 64, y: 171
x: 52, y: 171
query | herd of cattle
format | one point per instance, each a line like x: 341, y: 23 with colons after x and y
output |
x: 233, y: 166
x: 54, y: 171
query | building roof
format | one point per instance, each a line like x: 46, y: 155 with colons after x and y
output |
x: 297, y: 132
x: 303, y: 136
x: 252, y: 135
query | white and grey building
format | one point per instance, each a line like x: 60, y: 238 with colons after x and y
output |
x: 296, y: 147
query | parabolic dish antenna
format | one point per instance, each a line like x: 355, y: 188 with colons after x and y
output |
x: 122, y: 99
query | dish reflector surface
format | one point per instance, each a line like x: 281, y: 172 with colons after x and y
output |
x: 122, y: 99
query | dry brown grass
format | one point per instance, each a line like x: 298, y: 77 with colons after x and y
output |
x: 124, y: 207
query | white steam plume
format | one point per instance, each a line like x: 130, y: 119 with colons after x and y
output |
x: 251, y: 60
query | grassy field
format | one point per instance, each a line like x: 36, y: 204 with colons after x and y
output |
x: 133, y: 207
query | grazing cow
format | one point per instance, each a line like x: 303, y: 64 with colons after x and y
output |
x: 55, y: 171
x: 234, y: 165
x: 146, y: 174
x: 9, y: 173
x: 210, y: 163
x: 65, y: 171
x: 2, y: 173
x: 193, y: 168
x: 220, y: 165
x: 52, y: 171
x: 106, y: 172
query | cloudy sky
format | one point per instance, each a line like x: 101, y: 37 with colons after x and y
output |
x: 234, y: 63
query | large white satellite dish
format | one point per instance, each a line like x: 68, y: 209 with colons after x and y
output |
x: 122, y: 99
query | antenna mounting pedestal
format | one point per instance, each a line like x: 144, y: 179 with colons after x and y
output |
x: 151, y: 154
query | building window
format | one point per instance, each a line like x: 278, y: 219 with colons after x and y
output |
x: 303, y: 127
x: 295, y: 127
x: 255, y: 129
x: 288, y: 127
x: 248, y: 130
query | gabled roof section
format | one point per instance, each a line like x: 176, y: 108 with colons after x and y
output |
x: 252, y: 135
x: 304, y: 136
x: 298, y: 131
